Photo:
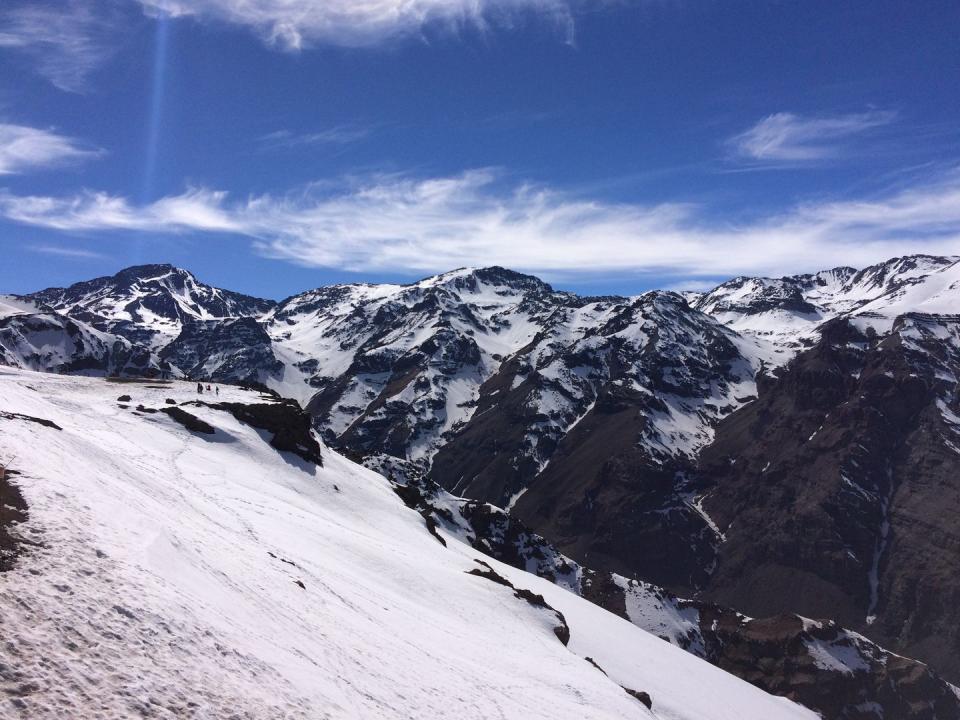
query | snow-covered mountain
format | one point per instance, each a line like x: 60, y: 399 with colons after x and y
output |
x: 148, y: 304
x: 590, y: 419
x: 787, y: 312
x: 174, y: 563
x: 401, y: 367
x: 37, y: 337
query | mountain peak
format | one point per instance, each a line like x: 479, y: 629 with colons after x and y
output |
x: 148, y: 303
x: 150, y: 271
x: 470, y: 278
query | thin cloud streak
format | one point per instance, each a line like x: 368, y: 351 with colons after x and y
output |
x: 297, y: 24
x: 785, y: 137
x: 65, y: 44
x: 59, y: 251
x: 397, y: 224
x: 25, y: 148
x: 338, y: 135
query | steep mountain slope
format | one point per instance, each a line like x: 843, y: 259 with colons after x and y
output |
x: 403, y: 368
x: 583, y: 437
x: 38, y: 338
x: 202, y: 572
x: 833, y: 671
x: 836, y: 491
x: 399, y: 367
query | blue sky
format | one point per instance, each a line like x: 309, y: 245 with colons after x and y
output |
x: 608, y: 146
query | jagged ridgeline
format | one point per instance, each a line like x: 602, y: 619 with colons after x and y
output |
x: 775, y: 444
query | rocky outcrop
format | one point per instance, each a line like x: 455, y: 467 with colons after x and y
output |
x: 189, y: 421
x: 560, y: 629
x: 290, y: 427
x: 838, y: 673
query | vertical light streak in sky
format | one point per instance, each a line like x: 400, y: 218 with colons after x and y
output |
x: 155, y: 115
x: 154, y: 118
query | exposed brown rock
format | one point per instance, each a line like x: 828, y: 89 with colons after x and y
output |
x: 640, y: 695
x: 838, y: 491
x: 13, y: 509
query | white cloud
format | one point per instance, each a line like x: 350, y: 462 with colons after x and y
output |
x: 195, y: 211
x: 401, y: 224
x: 26, y: 148
x: 68, y: 252
x: 293, y: 24
x: 65, y: 41
x: 785, y: 137
x: 338, y: 135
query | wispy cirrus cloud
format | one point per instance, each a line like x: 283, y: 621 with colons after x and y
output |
x: 399, y: 223
x: 25, y: 148
x: 68, y: 252
x: 337, y: 135
x: 294, y: 24
x: 64, y: 42
x: 785, y: 137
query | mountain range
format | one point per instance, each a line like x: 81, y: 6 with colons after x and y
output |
x: 785, y: 447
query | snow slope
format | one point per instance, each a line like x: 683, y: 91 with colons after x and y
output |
x: 12, y: 305
x: 165, y: 585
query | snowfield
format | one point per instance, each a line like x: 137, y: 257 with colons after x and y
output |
x: 211, y: 576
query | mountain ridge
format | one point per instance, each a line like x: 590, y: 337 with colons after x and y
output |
x: 588, y: 418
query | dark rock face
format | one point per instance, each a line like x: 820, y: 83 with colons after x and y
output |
x: 29, y: 418
x: 234, y: 351
x: 818, y: 664
x: 837, y: 489
x: 642, y: 696
x: 13, y: 510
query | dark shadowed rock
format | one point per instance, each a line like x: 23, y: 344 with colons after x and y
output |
x: 640, y: 695
x: 13, y: 510
x: 189, y: 421
x: 290, y: 426
x: 838, y: 490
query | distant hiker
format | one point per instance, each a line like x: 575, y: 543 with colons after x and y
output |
x: 200, y: 388
x: 217, y: 388
x: 208, y: 388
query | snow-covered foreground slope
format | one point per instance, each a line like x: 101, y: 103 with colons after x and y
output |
x: 167, y: 583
